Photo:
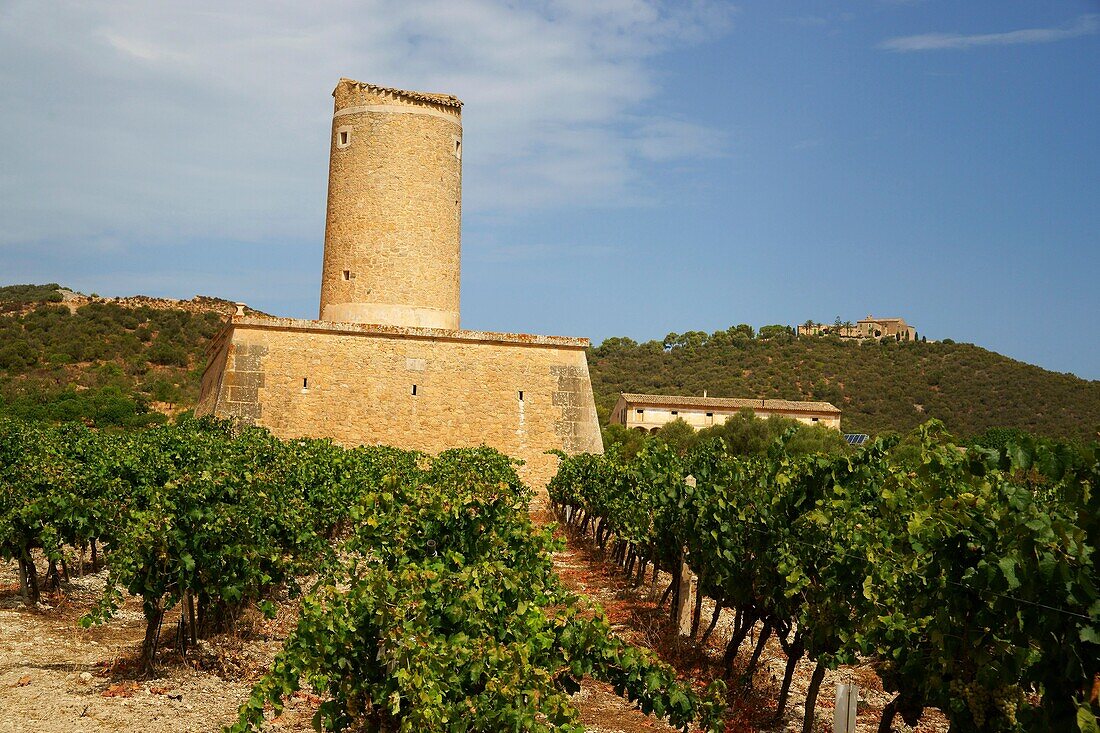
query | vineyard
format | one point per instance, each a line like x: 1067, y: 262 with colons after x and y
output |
x: 431, y: 601
x: 966, y: 578
x: 428, y: 600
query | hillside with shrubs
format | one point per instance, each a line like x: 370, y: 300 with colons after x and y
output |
x: 126, y: 362
x: 105, y: 362
x: 880, y: 387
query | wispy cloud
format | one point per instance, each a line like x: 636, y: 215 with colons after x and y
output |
x: 666, y: 139
x: 169, y: 121
x: 1084, y: 25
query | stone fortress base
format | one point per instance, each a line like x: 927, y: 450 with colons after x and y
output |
x: 415, y: 388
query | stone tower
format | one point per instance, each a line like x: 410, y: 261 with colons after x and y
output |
x: 377, y: 369
x: 394, y: 208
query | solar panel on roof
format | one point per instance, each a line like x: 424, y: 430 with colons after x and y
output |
x: 856, y: 438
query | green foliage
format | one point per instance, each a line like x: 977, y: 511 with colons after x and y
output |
x: 623, y: 441
x: 968, y: 577
x: 890, y: 388
x: 447, y: 616
x: 677, y: 435
x: 208, y: 513
x: 998, y: 438
x: 744, y: 434
x: 54, y: 490
x: 14, y: 297
x: 101, y: 365
x: 776, y: 332
x: 435, y: 608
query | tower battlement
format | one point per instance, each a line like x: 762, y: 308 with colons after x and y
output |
x: 393, y: 226
x: 349, y: 93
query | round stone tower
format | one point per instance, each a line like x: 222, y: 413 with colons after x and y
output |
x: 394, y: 208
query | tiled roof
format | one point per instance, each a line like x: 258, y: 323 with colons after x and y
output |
x: 447, y: 100
x: 736, y: 403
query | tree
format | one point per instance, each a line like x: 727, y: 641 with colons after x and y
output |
x: 742, y: 330
x: 615, y: 343
x: 689, y: 339
x: 623, y: 440
x: 774, y: 332
x: 678, y: 435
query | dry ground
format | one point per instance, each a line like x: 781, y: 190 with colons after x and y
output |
x: 55, y: 676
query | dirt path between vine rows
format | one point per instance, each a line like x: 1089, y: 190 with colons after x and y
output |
x: 57, y: 677
x: 634, y: 615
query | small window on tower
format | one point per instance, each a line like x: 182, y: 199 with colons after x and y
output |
x: 414, y: 390
x: 347, y: 274
x: 458, y: 148
x: 343, y: 137
x: 521, y: 395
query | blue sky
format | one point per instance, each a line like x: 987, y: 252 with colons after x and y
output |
x: 631, y: 167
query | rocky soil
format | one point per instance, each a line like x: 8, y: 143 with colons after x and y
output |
x: 56, y: 676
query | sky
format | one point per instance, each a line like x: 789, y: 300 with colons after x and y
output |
x: 630, y: 167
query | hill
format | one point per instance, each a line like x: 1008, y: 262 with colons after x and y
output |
x: 881, y: 387
x: 134, y: 361
x: 105, y: 361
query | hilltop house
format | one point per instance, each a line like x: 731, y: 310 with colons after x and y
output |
x: 866, y: 328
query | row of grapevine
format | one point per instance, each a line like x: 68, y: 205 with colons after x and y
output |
x: 966, y: 577
x: 435, y: 604
x: 445, y: 614
x: 195, y: 512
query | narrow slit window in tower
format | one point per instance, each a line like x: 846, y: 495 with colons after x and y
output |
x: 305, y: 382
x: 344, y: 137
x: 414, y: 390
x: 458, y: 149
x: 347, y: 274
x: 521, y: 395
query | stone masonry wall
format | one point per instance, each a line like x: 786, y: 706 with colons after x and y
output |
x: 301, y: 378
x: 392, y: 231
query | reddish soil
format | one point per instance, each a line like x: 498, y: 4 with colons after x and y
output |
x: 634, y: 614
